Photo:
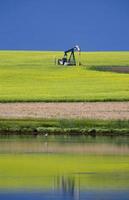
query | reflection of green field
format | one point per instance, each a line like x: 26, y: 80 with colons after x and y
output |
x: 33, y: 76
x: 43, y: 170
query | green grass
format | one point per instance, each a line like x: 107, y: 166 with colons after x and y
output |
x: 45, y: 170
x: 33, y: 76
x: 63, y: 126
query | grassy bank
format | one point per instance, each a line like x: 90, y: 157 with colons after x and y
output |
x: 63, y: 127
x: 33, y: 76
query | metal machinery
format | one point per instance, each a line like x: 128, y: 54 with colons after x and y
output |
x: 69, y: 61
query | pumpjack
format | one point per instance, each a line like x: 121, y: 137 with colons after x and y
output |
x: 71, y: 60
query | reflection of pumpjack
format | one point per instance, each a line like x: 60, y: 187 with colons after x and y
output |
x: 71, y: 60
x: 67, y: 185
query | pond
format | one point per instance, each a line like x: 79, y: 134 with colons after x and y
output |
x: 64, y: 168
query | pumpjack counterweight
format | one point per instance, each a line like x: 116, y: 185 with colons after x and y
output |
x: 71, y: 60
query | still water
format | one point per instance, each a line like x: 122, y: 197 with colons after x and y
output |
x: 64, y: 168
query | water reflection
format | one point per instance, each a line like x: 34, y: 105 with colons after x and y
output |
x: 67, y: 185
x: 58, y: 195
x: 64, y: 168
x: 89, y: 145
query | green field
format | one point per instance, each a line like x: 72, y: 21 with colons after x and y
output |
x: 33, y: 76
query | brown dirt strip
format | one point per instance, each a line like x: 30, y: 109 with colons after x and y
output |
x: 96, y: 110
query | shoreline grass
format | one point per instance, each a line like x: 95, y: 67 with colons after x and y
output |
x: 46, y: 127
